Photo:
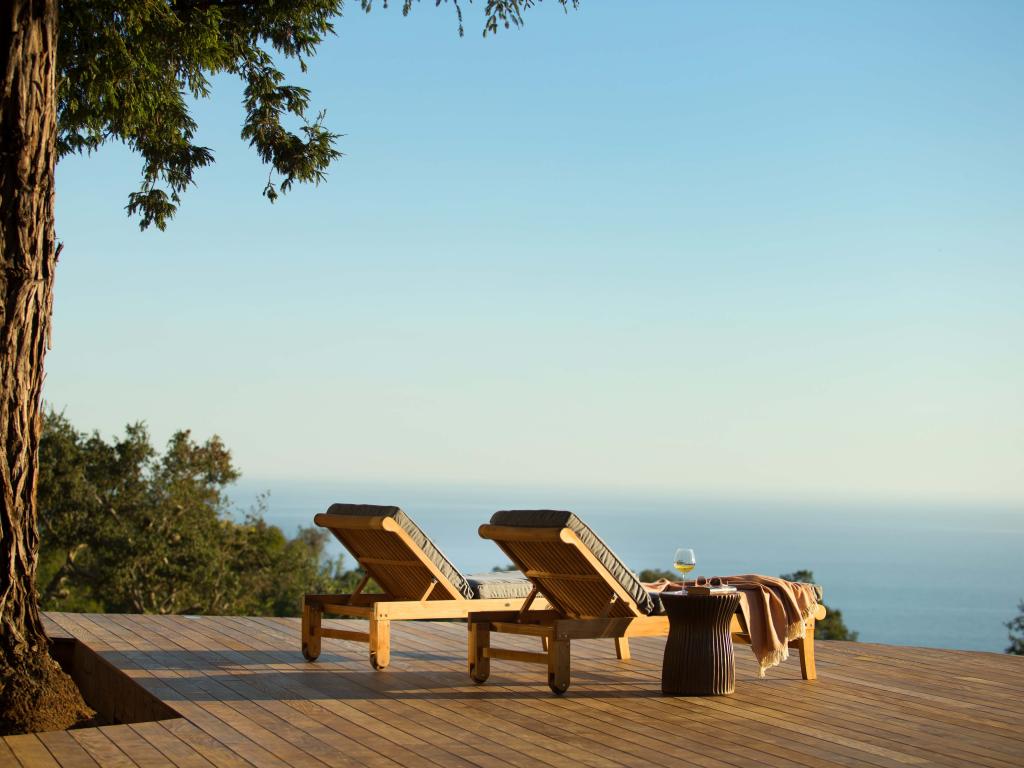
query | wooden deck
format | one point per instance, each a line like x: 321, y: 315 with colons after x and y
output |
x: 246, y: 697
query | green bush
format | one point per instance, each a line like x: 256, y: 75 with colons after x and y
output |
x: 1016, y: 627
x: 125, y: 529
x: 832, y: 626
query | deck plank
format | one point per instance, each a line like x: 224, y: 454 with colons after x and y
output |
x: 248, y: 699
x: 66, y: 750
x: 101, y: 748
x: 138, y: 750
x: 207, y: 746
x: 6, y: 755
x: 28, y: 750
x: 177, y: 752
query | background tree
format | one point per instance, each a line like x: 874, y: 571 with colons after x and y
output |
x: 123, y: 71
x: 1016, y: 627
x: 656, y: 574
x: 34, y: 693
x: 127, y: 530
x: 832, y: 627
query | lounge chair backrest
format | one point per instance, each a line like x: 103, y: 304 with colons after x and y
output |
x: 576, y: 571
x: 393, y: 550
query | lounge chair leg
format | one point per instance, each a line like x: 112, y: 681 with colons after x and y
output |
x: 558, y: 665
x: 806, y: 644
x: 311, y: 618
x: 380, y: 643
x: 622, y: 648
x: 479, y: 642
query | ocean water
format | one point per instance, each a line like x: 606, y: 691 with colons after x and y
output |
x: 940, y: 576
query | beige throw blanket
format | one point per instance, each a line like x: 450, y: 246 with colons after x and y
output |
x: 774, y: 611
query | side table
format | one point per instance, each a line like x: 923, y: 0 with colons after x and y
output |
x: 698, y: 655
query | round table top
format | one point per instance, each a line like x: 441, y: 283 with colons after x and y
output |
x: 690, y: 596
x: 678, y: 604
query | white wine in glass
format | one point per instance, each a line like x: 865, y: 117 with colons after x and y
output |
x: 685, y: 561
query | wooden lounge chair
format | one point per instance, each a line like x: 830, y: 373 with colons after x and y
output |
x: 417, y: 580
x: 591, y: 593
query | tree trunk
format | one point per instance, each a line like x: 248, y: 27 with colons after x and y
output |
x: 34, y: 693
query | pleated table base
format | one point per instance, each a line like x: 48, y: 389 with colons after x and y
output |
x: 698, y: 655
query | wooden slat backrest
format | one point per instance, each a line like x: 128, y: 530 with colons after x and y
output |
x: 391, y: 558
x: 564, y: 569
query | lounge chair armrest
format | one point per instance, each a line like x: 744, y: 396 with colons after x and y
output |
x: 518, y: 533
x: 354, y: 522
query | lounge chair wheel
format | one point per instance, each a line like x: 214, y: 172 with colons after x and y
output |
x: 479, y: 675
x: 557, y: 687
x: 310, y: 656
x: 375, y: 663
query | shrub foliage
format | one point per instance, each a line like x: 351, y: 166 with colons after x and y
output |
x: 1016, y: 627
x: 126, y: 529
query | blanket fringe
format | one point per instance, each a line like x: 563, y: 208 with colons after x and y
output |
x: 775, y: 658
x: 798, y: 629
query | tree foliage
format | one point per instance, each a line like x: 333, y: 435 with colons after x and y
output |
x: 656, y: 574
x: 498, y: 13
x: 1016, y: 627
x: 127, y: 529
x: 832, y: 627
x: 130, y: 69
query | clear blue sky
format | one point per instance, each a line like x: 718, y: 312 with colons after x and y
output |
x: 737, y: 248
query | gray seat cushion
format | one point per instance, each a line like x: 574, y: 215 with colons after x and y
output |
x: 444, y: 565
x: 554, y: 518
x: 499, y: 584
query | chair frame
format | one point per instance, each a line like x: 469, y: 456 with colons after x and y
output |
x: 438, y: 598
x: 562, y: 622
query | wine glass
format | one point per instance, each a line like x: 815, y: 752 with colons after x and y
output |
x: 685, y: 561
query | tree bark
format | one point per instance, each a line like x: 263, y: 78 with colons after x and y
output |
x: 34, y: 693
